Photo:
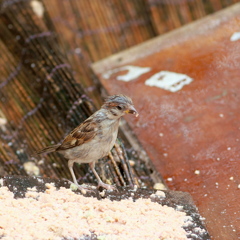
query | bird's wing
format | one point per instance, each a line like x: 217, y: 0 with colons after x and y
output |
x: 85, y: 132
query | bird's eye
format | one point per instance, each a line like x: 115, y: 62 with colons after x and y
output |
x: 119, y: 107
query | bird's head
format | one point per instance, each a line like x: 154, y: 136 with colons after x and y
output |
x: 118, y: 105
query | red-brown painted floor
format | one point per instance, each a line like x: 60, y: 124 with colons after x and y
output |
x: 189, y: 124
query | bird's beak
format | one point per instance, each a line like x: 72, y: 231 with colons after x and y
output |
x: 132, y: 110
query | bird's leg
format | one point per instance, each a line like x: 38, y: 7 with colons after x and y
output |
x: 70, y: 166
x: 100, y: 182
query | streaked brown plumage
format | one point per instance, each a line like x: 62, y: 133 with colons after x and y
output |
x: 94, y: 138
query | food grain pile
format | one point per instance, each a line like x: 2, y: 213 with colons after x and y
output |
x: 63, y: 214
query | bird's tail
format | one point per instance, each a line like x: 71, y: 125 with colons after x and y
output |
x: 48, y: 149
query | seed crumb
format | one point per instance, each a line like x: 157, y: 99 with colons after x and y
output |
x: 197, y: 172
x: 135, y: 187
x: 159, y: 186
x: 158, y: 194
x: 131, y: 162
x: 73, y: 187
x: 1, y: 182
x: 179, y: 208
x: 50, y: 185
x: 102, y: 194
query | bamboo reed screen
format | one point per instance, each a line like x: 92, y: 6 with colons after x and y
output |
x: 47, y: 86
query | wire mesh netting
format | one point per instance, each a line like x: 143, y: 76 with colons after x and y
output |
x: 47, y: 86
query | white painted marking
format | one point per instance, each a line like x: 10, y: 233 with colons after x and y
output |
x: 133, y: 73
x: 37, y: 8
x: 235, y: 36
x: 170, y: 81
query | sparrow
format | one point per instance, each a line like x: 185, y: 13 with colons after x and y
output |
x: 94, y: 138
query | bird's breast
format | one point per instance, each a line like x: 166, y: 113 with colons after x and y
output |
x: 109, y: 135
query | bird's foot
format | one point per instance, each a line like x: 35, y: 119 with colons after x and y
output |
x: 83, y: 188
x: 106, y: 186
